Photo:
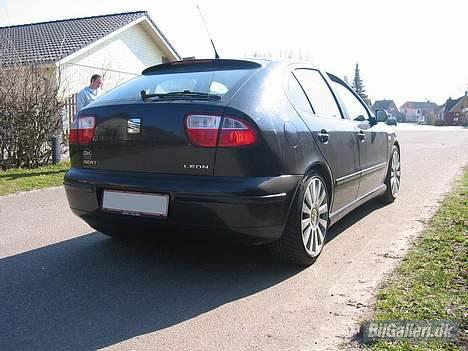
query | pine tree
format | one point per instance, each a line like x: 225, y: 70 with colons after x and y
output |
x: 358, y: 85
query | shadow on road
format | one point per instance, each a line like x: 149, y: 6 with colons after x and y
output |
x: 91, y: 292
x: 353, y: 217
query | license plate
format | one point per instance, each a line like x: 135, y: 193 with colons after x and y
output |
x: 135, y: 204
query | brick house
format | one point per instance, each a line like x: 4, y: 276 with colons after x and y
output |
x: 390, y: 107
x: 454, y: 112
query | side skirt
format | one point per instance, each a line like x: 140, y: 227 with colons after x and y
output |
x: 340, y: 213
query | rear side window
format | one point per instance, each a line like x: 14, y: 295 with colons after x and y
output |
x: 297, y: 97
x: 223, y: 83
x: 318, y: 92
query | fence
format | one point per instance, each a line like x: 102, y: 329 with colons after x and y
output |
x: 69, y: 112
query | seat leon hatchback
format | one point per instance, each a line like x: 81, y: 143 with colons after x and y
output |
x: 271, y: 151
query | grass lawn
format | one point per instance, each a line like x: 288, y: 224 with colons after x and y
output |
x: 431, y: 282
x: 15, y: 180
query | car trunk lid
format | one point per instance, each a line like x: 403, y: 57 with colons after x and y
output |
x: 148, y: 137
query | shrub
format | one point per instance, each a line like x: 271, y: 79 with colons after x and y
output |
x: 30, y: 114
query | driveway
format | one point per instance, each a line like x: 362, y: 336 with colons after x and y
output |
x: 64, y: 286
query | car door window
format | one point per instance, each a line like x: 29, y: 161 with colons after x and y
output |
x: 354, y: 108
x: 318, y: 92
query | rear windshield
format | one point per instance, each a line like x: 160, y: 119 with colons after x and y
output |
x: 222, y: 83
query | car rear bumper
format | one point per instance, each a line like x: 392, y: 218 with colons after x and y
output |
x: 254, y: 207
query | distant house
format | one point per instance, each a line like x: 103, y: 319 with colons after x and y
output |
x: 117, y: 46
x: 415, y: 111
x: 454, y: 112
x: 390, y: 107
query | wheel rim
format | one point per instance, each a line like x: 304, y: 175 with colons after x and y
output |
x: 314, y: 218
x: 395, y: 173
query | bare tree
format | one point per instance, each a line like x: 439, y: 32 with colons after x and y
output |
x: 31, y: 104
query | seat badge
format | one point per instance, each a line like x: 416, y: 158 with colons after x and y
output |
x: 134, y: 126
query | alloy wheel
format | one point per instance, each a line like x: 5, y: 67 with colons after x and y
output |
x: 314, y: 216
x: 395, y: 173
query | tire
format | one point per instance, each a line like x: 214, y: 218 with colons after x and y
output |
x: 309, y: 214
x: 393, y: 177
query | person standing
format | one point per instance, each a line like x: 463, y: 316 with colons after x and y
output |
x: 90, y: 93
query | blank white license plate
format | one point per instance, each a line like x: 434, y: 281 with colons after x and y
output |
x: 135, y: 203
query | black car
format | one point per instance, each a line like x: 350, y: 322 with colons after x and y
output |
x: 275, y: 152
x: 392, y: 121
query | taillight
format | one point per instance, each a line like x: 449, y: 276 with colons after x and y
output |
x: 204, y: 130
x: 235, y: 132
x: 82, y: 130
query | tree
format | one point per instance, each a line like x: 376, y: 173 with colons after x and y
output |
x: 358, y: 85
x: 31, y: 108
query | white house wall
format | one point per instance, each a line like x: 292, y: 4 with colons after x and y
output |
x: 410, y: 113
x: 118, y: 59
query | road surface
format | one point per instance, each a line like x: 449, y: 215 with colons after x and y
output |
x: 64, y: 286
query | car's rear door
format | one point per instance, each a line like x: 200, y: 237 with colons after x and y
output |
x: 372, y: 137
x: 144, y: 125
x: 335, y: 137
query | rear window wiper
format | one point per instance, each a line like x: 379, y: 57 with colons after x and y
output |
x: 181, y: 94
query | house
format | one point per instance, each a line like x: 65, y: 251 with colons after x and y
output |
x: 416, y: 111
x: 387, y: 105
x: 390, y: 107
x: 117, y: 46
x: 454, y: 112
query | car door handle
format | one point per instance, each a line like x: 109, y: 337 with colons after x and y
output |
x: 323, y: 136
x: 362, y: 136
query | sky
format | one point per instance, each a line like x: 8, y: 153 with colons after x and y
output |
x: 406, y: 49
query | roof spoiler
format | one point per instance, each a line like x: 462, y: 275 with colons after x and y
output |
x: 201, y: 65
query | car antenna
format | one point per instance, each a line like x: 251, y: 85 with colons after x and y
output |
x: 208, y: 32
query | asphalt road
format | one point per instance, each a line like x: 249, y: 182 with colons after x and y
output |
x: 64, y: 286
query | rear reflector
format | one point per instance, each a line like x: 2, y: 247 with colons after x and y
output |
x: 82, y: 130
x: 204, y: 130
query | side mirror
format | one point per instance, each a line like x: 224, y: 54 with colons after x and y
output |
x: 381, y: 115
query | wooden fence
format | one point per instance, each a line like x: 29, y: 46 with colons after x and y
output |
x: 69, y: 112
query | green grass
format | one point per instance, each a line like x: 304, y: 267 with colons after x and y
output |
x: 431, y: 282
x: 16, y: 180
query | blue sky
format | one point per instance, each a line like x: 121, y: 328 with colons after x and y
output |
x: 407, y: 50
